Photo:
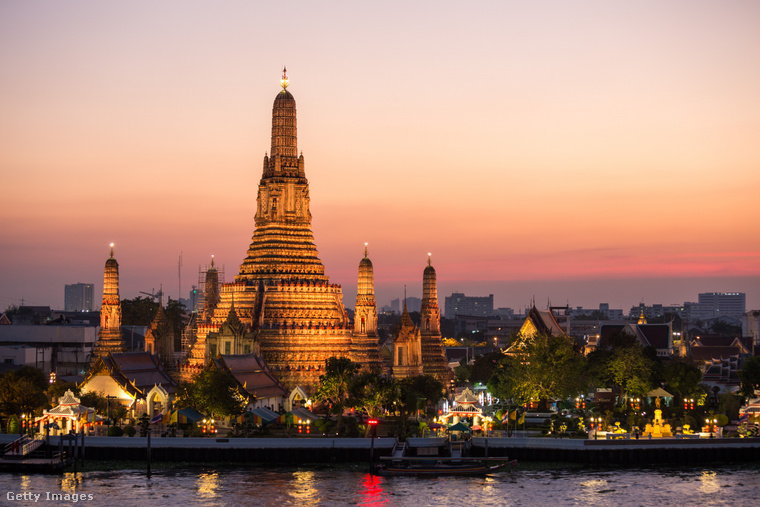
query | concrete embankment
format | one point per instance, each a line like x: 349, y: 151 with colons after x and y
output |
x: 290, y: 451
x: 621, y: 452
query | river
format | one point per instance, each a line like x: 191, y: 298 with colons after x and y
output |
x: 734, y: 486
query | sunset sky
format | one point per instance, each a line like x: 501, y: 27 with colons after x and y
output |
x: 573, y: 151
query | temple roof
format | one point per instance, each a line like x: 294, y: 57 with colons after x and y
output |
x: 135, y: 372
x: 253, y: 375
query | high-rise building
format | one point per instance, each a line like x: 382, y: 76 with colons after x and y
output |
x: 714, y: 305
x: 78, y: 297
x: 468, y: 306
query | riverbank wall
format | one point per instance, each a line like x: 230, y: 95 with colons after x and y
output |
x: 621, y: 452
x: 295, y: 451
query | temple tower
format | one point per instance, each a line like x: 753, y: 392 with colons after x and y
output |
x: 159, y: 339
x: 281, y: 290
x: 407, y: 348
x: 433, y: 356
x: 365, y: 341
x: 109, y: 336
x: 210, y: 292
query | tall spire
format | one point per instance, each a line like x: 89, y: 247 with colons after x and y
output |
x: 109, y: 336
x: 433, y: 359
x: 284, y: 81
x: 284, y: 126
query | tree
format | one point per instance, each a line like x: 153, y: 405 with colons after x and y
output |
x: 22, y: 391
x: 215, y: 392
x: 105, y: 406
x: 56, y: 390
x: 371, y: 391
x: 333, y: 385
x: 750, y: 376
x: 483, y: 367
x: 683, y: 378
x: 546, y: 368
x: 630, y: 369
x: 141, y: 311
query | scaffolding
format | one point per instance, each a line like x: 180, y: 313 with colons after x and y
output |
x: 210, y: 280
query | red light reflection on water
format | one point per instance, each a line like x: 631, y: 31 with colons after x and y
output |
x: 371, y: 493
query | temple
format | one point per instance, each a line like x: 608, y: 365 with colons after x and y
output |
x: 365, y: 349
x: 281, y: 304
x: 282, y: 298
x: 109, y: 337
x: 433, y: 356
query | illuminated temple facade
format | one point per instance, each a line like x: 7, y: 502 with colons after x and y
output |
x: 281, y: 304
x: 109, y: 336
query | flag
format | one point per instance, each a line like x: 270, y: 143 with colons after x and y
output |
x: 522, y: 419
x: 744, y: 417
x: 505, y: 417
x: 513, y: 415
x: 157, y: 418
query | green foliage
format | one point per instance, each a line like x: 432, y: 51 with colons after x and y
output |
x: 22, y: 391
x: 547, y: 367
x: 462, y: 374
x: 418, y: 392
x: 334, y: 384
x: 130, y: 431
x: 371, y: 391
x: 483, y: 367
x: 144, y: 425
x: 141, y: 311
x: 212, y: 392
x: 14, y: 425
x: 682, y: 378
x: 115, y: 431
x: 631, y: 370
x: 110, y: 408
x: 729, y: 404
x: 750, y: 376
x: 58, y: 389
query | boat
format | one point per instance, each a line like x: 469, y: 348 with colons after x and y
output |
x: 410, y: 467
x: 436, y: 456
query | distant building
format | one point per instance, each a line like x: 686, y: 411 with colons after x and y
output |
x: 65, y: 350
x: 470, y: 306
x: 78, y: 297
x: 751, y: 326
x: 728, y: 306
x: 604, y: 312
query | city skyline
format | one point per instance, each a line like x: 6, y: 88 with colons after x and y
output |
x: 580, y: 154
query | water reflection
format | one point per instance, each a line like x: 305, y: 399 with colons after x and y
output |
x: 207, y: 484
x: 709, y: 482
x: 302, y: 488
x: 371, y: 493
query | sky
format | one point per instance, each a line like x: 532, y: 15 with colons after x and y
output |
x: 574, y: 152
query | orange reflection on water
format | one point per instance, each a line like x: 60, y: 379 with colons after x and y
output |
x: 371, y: 493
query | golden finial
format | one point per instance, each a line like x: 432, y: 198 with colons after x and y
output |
x: 212, y: 260
x: 284, y: 82
x: 365, y: 249
x: 429, y: 254
x: 112, y: 250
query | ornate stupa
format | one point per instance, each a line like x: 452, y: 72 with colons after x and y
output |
x: 365, y: 348
x: 433, y: 356
x: 159, y: 339
x: 109, y: 336
x: 407, y: 347
x: 281, y: 291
